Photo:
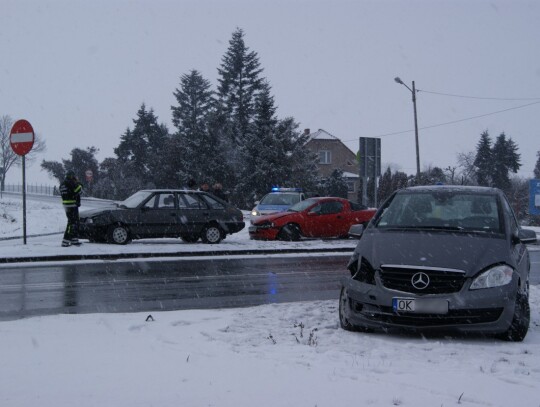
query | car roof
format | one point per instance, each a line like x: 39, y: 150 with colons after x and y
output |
x: 451, y: 188
x: 326, y: 198
x: 172, y: 190
x: 285, y: 192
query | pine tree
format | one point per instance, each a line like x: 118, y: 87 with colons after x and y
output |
x: 274, y: 153
x: 116, y: 180
x: 81, y: 161
x: 512, y: 156
x: 301, y: 164
x: 261, y: 153
x: 483, y: 160
x: 195, y: 151
x: 537, y: 166
x: 399, y: 180
x: 385, y: 186
x: 436, y: 175
x: 143, y: 147
x: 336, y: 185
x: 505, y: 160
x: 239, y: 84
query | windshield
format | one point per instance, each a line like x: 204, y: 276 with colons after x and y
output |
x: 442, y: 210
x: 280, y: 199
x: 134, y: 200
x: 300, y: 206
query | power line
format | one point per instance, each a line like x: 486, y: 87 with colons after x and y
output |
x: 454, y: 121
x: 472, y: 97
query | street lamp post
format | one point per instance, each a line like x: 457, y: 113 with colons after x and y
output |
x: 413, y: 91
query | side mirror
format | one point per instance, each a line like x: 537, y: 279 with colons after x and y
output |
x: 356, y: 231
x: 527, y: 236
x: 257, y: 202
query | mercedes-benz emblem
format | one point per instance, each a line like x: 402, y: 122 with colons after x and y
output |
x: 420, y: 281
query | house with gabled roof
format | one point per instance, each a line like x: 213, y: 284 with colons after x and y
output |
x: 333, y: 154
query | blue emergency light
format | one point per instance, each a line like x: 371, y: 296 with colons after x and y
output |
x: 278, y: 189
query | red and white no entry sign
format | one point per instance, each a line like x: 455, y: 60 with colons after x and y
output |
x: 21, y: 137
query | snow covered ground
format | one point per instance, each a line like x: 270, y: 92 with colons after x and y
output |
x: 290, y: 354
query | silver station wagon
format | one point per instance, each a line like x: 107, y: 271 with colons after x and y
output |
x: 440, y: 258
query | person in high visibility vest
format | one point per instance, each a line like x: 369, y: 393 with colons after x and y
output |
x: 70, y: 190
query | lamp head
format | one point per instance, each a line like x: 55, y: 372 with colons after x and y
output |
x: 398, y: 80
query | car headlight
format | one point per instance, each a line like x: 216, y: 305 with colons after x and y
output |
x: 265, y: 225
x: 255, y: 213
x: 96, y: 220
x: 494, y: 277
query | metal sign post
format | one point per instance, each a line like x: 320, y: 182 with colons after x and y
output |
x: 21, y: 139
x: 370, y: 165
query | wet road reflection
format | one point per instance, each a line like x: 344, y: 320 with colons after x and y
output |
x: 126, y: 286
x: 133, y: 286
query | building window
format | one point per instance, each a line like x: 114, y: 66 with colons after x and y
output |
x: 351, y: 185
x: 325, y: 157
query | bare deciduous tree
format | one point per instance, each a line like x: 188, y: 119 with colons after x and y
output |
x: 467, y: 170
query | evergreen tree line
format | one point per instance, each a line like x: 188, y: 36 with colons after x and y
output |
x: 233, y: 136
x: 230, y: 135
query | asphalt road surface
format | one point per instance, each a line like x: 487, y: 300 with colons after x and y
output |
x: 133, y: 286
x: 126, y: 286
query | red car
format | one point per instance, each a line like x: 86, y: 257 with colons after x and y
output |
x: 314, y: 217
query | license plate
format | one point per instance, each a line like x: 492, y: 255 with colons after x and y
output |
x: 252, y: 229
x: 420, y: 305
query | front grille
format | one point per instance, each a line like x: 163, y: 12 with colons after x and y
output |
x: 454, y: 317
x: 440, y: 281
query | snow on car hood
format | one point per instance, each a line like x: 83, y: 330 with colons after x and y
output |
x: 273, y: 216
x: 468, y: 252
x: 88, y: 213
x: 273, y: 207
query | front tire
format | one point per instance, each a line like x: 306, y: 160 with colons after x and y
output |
x: 343, y: 309
x: 289, y: 233
x: 520, y: 322
x: 118, y: 234
x: 212, y: 234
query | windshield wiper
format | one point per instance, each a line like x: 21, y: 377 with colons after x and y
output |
x: 457, y: 228
x: 426, y: 227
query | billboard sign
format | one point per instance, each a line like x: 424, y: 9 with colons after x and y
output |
x: 369, y: 157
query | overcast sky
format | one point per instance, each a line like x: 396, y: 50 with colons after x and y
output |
x: 80, y: 70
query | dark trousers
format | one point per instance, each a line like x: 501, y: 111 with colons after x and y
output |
x: 72, y: 228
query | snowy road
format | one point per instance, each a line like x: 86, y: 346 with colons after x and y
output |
x: 126, y: 286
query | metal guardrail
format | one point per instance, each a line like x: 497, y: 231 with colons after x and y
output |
x: 32, y: 189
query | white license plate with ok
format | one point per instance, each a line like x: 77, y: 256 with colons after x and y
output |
x: 422, y: 305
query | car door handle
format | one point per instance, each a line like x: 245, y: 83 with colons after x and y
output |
x: 172, y: 214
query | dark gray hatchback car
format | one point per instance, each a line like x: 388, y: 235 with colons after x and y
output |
x: 190, y: 215
x: 440, y: 258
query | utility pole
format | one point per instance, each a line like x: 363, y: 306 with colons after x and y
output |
x: 413, y: 91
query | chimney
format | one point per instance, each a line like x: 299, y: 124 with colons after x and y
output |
x: 306, y: 132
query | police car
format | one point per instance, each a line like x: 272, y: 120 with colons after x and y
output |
x: 279, y: 200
